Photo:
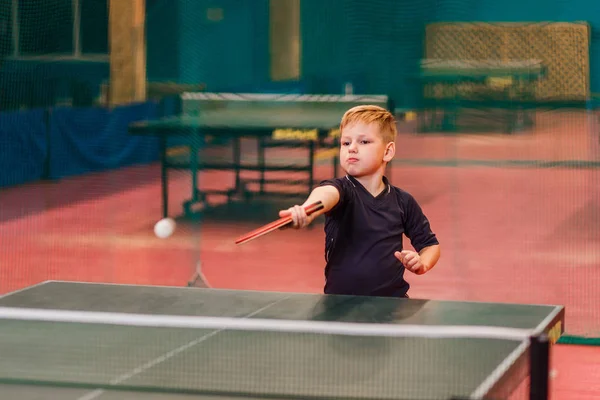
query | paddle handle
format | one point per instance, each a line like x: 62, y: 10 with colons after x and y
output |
x: 278, y: 224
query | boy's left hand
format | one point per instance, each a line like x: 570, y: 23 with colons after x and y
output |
x: 411, y: 261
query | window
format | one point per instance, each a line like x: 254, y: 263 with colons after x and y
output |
x: 45, y: 27
x: 5, y: 28
x: 73, y: 28
x: 94, y: 26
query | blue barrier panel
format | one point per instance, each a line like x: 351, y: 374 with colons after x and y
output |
x: 23, y: 146
x: 95, y: 139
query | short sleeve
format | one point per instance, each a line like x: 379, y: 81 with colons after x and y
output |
x: 341, y: 187
x: 417, y: 226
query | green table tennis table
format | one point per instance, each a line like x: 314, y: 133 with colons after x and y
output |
x: 509, y: 84
x: 274, y: 120
x: 83, y: 341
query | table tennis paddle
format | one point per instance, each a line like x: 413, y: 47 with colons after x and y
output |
x: 280, y: 223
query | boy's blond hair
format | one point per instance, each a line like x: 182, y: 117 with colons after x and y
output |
x: 369, y: 114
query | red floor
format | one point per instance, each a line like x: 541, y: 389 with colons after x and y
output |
x: 508, y: 233
x: 577, y: 373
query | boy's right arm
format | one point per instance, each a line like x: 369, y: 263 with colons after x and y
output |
x: 327, y: 194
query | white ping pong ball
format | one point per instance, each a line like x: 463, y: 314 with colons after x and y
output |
x: 164, y: 228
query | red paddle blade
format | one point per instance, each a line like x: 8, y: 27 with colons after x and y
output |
x: 275, y: 225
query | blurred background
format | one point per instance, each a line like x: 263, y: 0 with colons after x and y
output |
x: 498, y: 139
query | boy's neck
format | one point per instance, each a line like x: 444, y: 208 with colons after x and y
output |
x: 373, y: 183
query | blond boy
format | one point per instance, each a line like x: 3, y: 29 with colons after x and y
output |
x: 366, y: 217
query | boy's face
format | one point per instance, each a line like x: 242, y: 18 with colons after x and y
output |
x: 362, y: 149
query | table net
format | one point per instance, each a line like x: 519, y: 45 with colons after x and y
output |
x: 261, y: 358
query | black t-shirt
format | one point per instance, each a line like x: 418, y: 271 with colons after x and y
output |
x: 362, y: 232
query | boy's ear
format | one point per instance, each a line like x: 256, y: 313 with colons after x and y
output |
x: 390, y: 151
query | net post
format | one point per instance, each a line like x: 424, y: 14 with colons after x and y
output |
x: 539, y: 364
x: 198, y: 279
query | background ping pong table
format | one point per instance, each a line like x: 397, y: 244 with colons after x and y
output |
x: 450, y: 85
x: 88, y: 361
x: 274, y: 120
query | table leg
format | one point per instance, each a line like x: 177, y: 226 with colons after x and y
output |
x: 334, y: 165
x: 539, y: 359
x: 194, y: 165
x: 261, y: 163
x: 164, y: 175
x: 236, y: 161
x: 311, y: 165
x: 194, y: 148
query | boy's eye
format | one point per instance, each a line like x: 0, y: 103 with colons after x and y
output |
x: 347, y: 142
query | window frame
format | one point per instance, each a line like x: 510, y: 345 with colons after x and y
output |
x: 75, y: 55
